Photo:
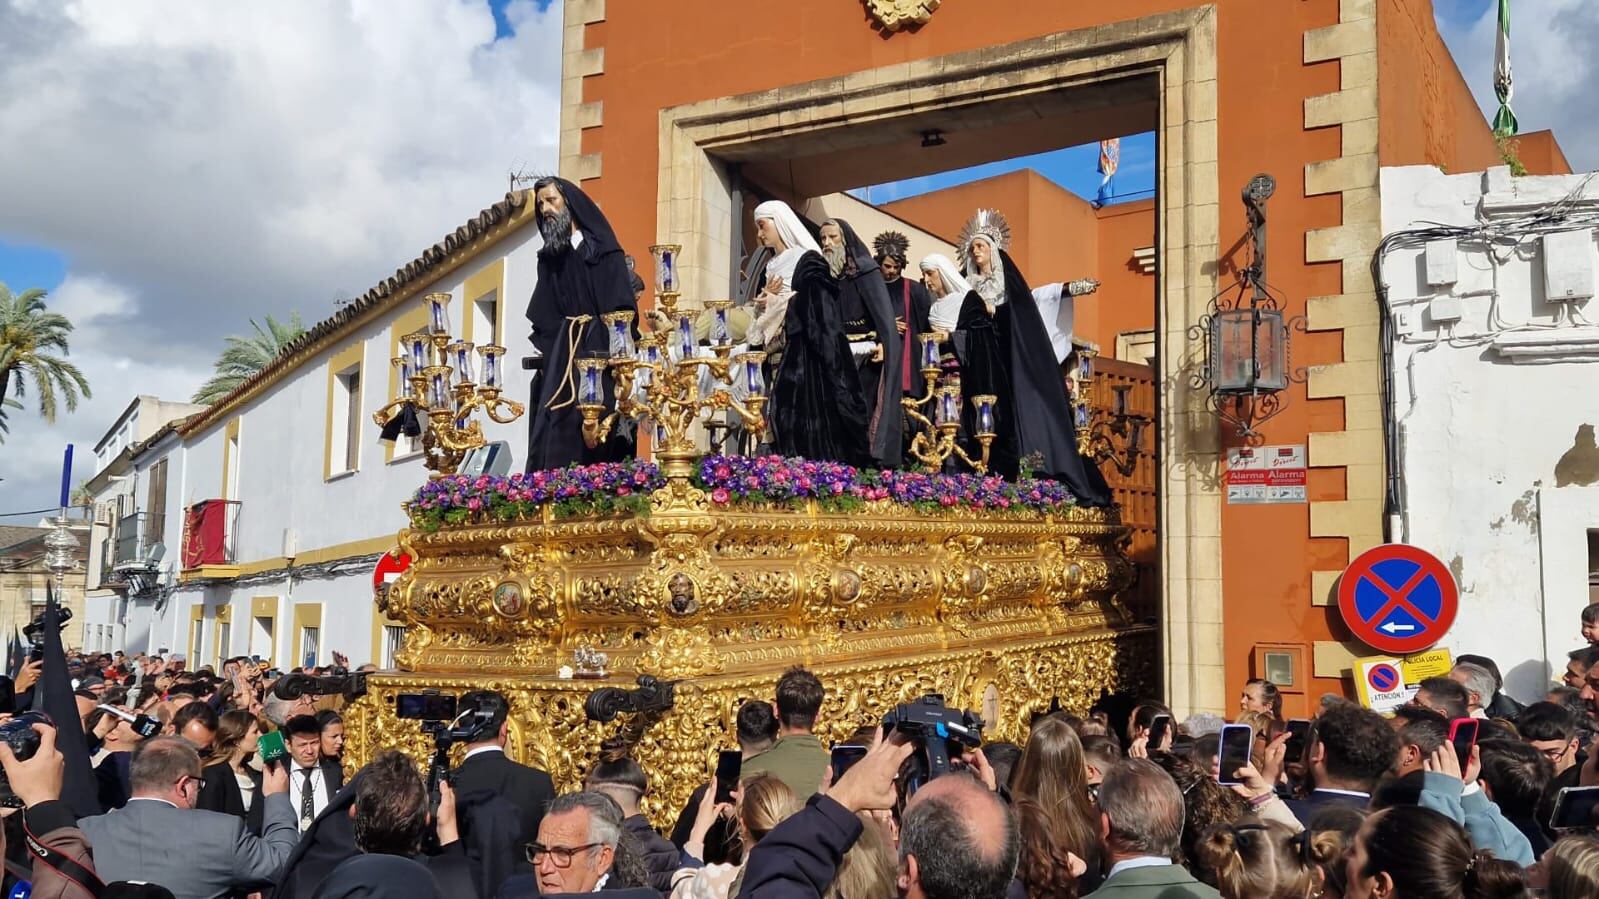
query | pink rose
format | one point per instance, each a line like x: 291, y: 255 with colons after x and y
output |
x: 720, y: 496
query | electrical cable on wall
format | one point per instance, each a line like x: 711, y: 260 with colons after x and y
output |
x: 1509, y: 236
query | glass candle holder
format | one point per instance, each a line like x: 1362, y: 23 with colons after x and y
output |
x: 949, y: 405
x: 440, y: 397
x: 685, y: 336
x: 402, y: 367
x: 1085, y: 364
x: 1082, y: 415
x: 590, y: 380
x: 930, y: 342
x: 666, y: 261
x: 984, y: 403
x: 417, y: 346
x: 493, y: 362
x: 721, y: 335
x: 750, y: 365
x: 619, y: 330
x: 460, y: 353
x: 438, y: 312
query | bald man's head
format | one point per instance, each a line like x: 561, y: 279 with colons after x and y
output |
x: 957, y: 839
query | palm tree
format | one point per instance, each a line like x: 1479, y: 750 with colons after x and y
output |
x: 245, y: 356
x: 6, y: 405
x: 28, y: 332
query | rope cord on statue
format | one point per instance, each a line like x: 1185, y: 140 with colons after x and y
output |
x: 574, y: 339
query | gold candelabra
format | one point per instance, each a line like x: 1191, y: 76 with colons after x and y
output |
x: 439, y: 385
x: 936, y: 438
x: 656, y: 378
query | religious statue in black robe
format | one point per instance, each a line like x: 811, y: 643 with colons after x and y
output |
x: 911, y: 303
x: 582, y: 275
x: 870, y: 327
x: 1008, y: 353
x: 817, y: 410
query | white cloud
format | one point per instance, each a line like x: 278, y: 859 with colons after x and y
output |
x: 1554, y: 46
x: 202, y: 164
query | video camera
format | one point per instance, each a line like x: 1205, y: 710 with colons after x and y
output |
x: 34, y: 631
x: 941, y: 731
x: 18, y: 733
x: 440, y: 717
x: 293, y: 686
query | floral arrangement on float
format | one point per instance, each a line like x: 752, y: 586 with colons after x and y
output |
x: 736, y: 482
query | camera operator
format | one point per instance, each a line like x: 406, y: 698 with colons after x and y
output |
x: 64, y: 869
x: 159, y: 837
x: 485, y: 766
x: 957, y: 837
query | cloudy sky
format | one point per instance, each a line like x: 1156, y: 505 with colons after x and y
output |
x: 172, y: 169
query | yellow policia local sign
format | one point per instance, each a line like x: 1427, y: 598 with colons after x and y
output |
x: 1384, y: 683
x: 896, y: 14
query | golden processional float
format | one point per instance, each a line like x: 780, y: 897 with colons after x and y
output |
x: 664, y: 594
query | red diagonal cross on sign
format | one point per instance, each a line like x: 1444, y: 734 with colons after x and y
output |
x: 1399, y: 597
x: 1428, y: 571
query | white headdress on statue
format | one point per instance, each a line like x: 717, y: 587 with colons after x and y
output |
x: 795, y: 237
x: 946, y: 308
x: 989, y: 226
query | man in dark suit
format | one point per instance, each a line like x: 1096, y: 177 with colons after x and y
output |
x: 159, y: 837
x: 1347, y: 751
x: 313, y: 780
x: 485, y: 766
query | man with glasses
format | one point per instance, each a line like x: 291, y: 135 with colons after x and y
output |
x: 576, y: 852
x: 159, y: 837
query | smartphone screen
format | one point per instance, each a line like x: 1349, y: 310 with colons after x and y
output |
x: 1236, y: 741
x: 1576, y: 808
x: 1294, y: 749
x: 728, y: 765
x: 1158, y: 729
x: 1463, y: 734
x: 845, y: 755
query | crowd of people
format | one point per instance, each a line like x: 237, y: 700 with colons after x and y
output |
x: 211, y: 784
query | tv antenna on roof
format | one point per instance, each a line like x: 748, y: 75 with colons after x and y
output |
x: 519, y: 177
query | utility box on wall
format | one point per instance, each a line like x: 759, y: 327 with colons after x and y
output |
x: 1568, y: 266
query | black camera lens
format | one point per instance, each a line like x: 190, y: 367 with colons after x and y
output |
x: 18, y: 733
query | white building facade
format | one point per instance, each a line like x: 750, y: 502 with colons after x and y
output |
x: 1494, y: 399
x: 279, y: 499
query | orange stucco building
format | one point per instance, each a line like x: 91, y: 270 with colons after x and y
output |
x: 673, y: 114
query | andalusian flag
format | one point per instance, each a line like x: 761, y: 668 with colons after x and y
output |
x: 1505, y: 120
x: 1110, y: 158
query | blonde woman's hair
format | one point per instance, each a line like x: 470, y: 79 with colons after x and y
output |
x: 1572, y: 866
x: 1254, y: 860
x: 869, y: 867
x: 767, y: 802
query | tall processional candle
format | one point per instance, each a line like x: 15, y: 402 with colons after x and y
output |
x: 492, y: 356
x: 438, y: 313
x: 750, y: 365
x: 439, y: 395
x: 949, y: 404
x: 66, y: 477
x: 418, y: 345
x: 619, y: 328
x: 985, y: 413
x: 930, y: 344
x: 685, y: 336
x: 461, y: 360
x: 666, y: 267
x: 589, y: 381
x: 720, y: 334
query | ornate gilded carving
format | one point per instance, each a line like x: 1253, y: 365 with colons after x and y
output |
x: 896, y: 14
x: 1002, y: 610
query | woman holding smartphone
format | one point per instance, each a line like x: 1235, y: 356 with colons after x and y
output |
x: 232, y: 785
